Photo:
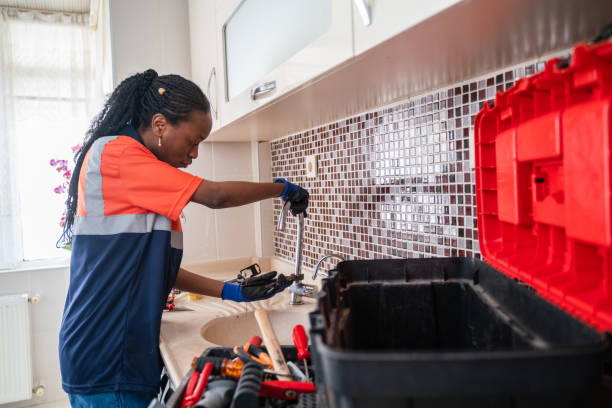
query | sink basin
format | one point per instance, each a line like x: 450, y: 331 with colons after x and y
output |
x: 238, y: 329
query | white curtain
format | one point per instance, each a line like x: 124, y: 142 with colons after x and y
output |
x: 10, y: 239
x: 55, y: 70
x: 99, y: 22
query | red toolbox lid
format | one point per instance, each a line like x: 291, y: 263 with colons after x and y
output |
x: 544, y: 183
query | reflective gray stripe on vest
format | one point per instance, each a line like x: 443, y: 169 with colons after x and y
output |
x: 116, y: 224
x: 94, y: 201
x: 134, y: 223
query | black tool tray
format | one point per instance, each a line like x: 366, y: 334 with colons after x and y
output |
x: 447, y: 332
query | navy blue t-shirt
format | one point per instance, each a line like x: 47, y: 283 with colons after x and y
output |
x: 126, y: 253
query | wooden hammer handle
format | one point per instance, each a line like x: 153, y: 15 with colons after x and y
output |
x: 272, y: 344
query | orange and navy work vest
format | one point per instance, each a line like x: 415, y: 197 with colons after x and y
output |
x: 126, y: 252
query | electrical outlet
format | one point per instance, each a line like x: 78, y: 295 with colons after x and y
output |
x: 311, y: 166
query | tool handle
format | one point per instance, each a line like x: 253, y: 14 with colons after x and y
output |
x: 193, y: 380
x: 249, y: 384
x: 272, y: 344
x: 261, y: 355
x: 287, y: 390
x: 300, y: 339
x: 255, y: 340
x: 202, y: 382
x: 246, y: 355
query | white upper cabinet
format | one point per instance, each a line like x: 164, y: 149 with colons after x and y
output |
x: 269, y: 47
x: 283, y: 66
x: 204, y: 53
x: 378, y: 20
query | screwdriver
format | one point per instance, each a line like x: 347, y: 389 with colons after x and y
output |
x: 301, y: 344
x: 223, y: 366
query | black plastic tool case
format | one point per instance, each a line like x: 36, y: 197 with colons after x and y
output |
x: 446, y: 332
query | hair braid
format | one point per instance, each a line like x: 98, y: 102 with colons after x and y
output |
x: 134, y: 101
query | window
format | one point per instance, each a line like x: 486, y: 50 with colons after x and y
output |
x: 52, y: 88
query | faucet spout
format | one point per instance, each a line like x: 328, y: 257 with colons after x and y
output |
x: 316, y: 269
x: 297, y: 288
x: 298, y: 246
x: 283, y: 216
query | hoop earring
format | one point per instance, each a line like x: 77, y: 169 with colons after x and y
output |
x: 159, y: 142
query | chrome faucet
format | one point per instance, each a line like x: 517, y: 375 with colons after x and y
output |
x: 297, y: 288
x: 320, y: 261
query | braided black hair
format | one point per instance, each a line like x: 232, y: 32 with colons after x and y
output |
x: 134, y: 102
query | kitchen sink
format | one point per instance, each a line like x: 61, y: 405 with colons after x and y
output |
x: 238, y: 329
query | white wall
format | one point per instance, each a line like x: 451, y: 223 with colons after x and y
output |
x: 46, y: 316
x: 265, y: 225
x: 149, y: 34
x: 220, y: 234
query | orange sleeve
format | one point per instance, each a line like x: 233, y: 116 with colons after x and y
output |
x: 154, y: 185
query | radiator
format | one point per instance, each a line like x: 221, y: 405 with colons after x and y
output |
x: 15, y: 351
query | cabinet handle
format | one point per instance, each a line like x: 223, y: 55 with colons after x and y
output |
x: 213, y: 73
x: 364, y: 11
x: 263, y: 89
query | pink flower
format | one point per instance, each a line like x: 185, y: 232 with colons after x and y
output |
x: 61, y: 166
x: 61, y: 188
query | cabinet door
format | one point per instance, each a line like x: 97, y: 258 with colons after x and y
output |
x: 390, y: 17
x: 269, y: 47
x: 204, y: 53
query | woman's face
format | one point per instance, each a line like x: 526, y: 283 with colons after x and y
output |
x: 180, y: 142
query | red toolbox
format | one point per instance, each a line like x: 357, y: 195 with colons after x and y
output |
x: 544, y: 183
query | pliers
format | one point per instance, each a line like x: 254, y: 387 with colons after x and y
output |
x: 197, y: 382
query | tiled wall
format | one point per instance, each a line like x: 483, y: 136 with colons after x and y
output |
x: 394, y: 182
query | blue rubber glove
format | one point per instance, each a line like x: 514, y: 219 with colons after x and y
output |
x: 289, y: 188
x: 255, y: 288
x: 296, y: 195
x: 231, y: 291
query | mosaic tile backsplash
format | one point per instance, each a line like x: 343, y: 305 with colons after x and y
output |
x: 397, y: 182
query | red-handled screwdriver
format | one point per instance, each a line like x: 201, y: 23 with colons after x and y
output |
x: 301, y: 344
